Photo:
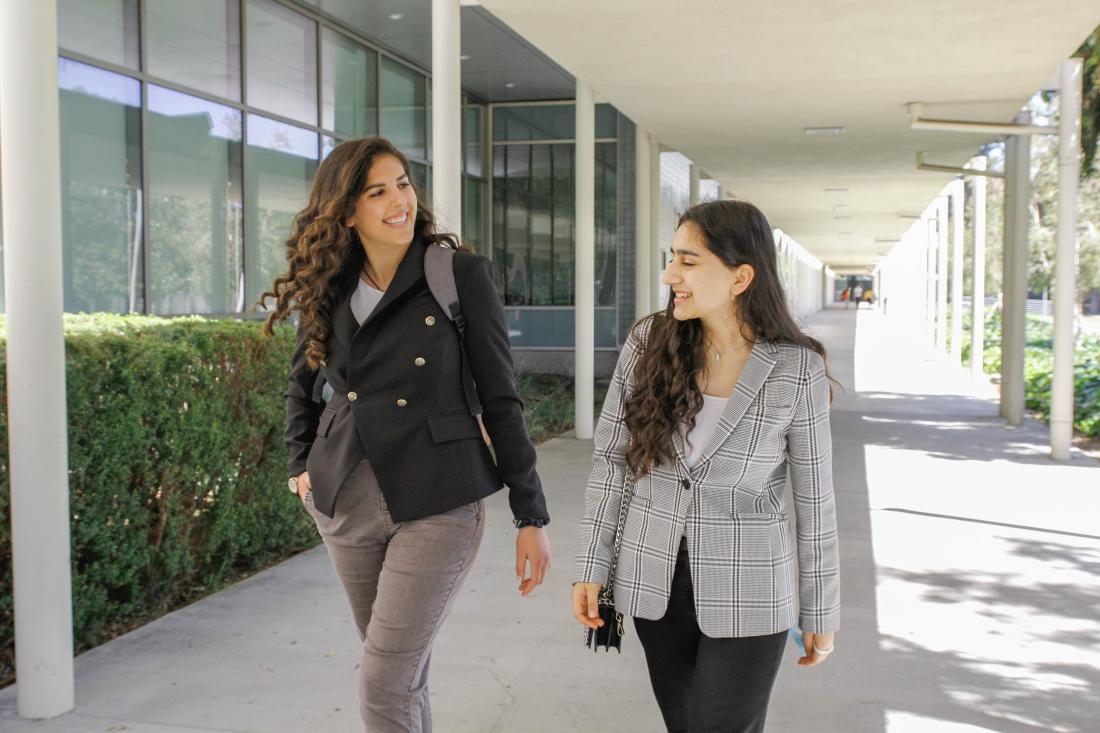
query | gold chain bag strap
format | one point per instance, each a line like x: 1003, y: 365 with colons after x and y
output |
x: 611, y: 633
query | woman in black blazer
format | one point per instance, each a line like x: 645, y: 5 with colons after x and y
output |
x: 394, y: 467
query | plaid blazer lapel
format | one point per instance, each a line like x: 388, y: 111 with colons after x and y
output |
x: 753, y: 375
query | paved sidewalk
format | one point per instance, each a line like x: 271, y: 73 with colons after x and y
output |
x: 971, y: 581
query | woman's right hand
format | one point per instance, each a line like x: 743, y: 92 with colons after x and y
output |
x: 586, y: 604
x: 303, y: 485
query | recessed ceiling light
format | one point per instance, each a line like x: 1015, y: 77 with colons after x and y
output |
x: 510, y: 85
x: 881, y: 240
x: 836, y: 190
x: 465, y: 57
x: 848, y: 234
x: 396, y: 16
x: 824, y: 130
x: 842, y: 217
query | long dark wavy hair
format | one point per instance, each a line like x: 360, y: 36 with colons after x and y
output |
x: 324, y: 256
x: 666, y: 390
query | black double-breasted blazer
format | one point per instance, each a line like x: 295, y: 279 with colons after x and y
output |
x: 398, y: 400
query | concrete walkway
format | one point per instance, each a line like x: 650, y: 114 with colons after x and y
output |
x: 971, y: 588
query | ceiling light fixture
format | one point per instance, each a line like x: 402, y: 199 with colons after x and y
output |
x: 465, y: 57
x: 510, y: 85
x: 396, y: 16
x: 836, y: 190
x: 842, y: 217
x: 824, y: 130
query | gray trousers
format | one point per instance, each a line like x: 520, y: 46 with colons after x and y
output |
x: 401, y: 579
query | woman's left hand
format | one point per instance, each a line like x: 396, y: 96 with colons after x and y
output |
x: 816, y: 644
x: 532, y: 546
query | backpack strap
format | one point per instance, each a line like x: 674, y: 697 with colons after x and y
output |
x: 440, y: 273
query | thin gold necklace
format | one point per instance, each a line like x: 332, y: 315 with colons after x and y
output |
x: 718, y: 352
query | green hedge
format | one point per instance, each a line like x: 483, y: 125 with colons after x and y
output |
x: 176, y: 466
x: 1039, y: 368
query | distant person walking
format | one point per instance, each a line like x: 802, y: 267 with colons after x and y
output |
x: 857, y: 295
x: 713, y: 404
x: 393, y: 468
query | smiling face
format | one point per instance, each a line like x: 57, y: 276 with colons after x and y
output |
x: 703, y: 285
x: 385, y: 213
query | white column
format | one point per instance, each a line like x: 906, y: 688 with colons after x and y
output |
x: 977, y: 306
x: 446, y: 115
x: 941, y: 275
x: 643, y: 246
x: 694, y: 195
x: 930, y: 279
x: 30, y: 176
x: 585, y: 249
x: 957, y: 191
x: 658, y: 293
x: 1018, y: 182
x: 1065, y: 260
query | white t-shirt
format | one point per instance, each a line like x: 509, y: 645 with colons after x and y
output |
x: 705, y: 422
x: 364, y: 300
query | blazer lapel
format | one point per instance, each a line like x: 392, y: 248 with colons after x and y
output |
x: 409, y: 272
x: 343, y: 322
x: 755, y: 372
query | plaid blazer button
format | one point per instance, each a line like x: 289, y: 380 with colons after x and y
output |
x: 686, y: 484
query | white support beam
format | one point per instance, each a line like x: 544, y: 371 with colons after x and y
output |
x: 977, y: 305
x: 643, y: 244
x: 446, y: 115
x: 916, y: 122
x: 30, y: 176
x: 658, y: 293
x: 957, y: 193
x: 694, y: 195
x: 1013, y: 322
x: 1065, y: 261
x: 585, y: 272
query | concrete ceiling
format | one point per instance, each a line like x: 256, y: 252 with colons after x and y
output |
x: 731, y: 84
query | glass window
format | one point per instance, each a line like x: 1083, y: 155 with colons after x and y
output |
x: 419, y: 174
x: 533, y: 223
x: 197, y: 44
x: 103, y: 29
x: 194, y: 205
x: 538, y: 122
x: 607, y: 121
x: 404, y: 109
x: 472, y: 138
x: 473, y: 220
x: 101, y: 189
x: 556, y: 327
x: 607, y: 222
x: 282, y: 61
x: 280, y: 162
x: 349, y: 86
x: 328, y: 144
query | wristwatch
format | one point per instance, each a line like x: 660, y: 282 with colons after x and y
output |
x: 292, y: 482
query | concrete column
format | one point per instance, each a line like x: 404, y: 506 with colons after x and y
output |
x: 30, y: 176
x: 643, y: 244
x: 585, y: 248
x: 1065, y: 260
x: 694, y: 194
x: 658, y: 293
x: 957, y: 193
x: 941, y: 275
x: 930, y: 280
x: 446, y: 115
x: 977, y: 306
x: 1017, y: 198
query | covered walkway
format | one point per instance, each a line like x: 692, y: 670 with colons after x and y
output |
x: 971, y: 569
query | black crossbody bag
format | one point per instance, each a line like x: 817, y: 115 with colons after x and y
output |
x: 611, y: 633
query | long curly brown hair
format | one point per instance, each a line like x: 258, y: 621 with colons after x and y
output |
x: 666, y: 390
x: 324, y: 256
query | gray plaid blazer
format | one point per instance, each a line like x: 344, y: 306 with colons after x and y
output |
x: 731, y: 506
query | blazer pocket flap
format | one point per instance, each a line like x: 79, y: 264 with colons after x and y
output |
x: 325, y: 422
x: 454, y: 426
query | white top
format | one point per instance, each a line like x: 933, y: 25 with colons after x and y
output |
x: 363, y: 301
x: 705, y: 422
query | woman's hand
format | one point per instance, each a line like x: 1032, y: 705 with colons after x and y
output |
x: 816, y: 644
x: 586, y: 604
x: 532, y: 546
x: 303, y: 485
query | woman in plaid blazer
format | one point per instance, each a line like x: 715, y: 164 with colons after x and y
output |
x: 713, y: 404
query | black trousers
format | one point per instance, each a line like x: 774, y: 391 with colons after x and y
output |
x: 704, y: 684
